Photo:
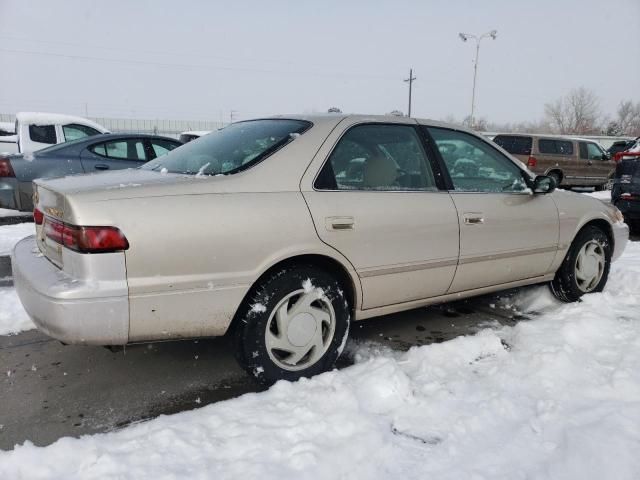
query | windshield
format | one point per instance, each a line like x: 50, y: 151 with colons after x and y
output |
x: 231, y: 149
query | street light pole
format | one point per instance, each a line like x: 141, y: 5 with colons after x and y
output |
x: 464, y: 37
x: 411, y: 79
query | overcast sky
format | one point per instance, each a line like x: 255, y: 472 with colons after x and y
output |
x: 200, y: 60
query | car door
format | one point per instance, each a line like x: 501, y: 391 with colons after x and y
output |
x: 598, y: 168
x: 377, y: 201
x: 507, y: 233
x: 114, y: 154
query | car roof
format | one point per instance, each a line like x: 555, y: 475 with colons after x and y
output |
x: 335, y: 118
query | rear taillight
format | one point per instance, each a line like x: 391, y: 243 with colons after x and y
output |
x: 5, y: 168
x: 532, y: 162
x: 628, y: 196
x: 86, y: 239
x: 38, y: 216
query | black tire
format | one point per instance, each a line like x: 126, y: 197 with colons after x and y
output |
x: 565, y: 284
x: 257, y: 313
x: 556, y: 178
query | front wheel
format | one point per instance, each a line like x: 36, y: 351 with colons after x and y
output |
x: 293, y: 324
x: 585, y: 269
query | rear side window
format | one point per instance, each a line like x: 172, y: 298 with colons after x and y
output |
x: 515, y: 145
x: 74, y: 131
x: 43, y: 133
x: 555, y: 147
x: 378, y: 157
x: 130, y: 149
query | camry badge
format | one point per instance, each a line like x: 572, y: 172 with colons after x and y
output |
x: 54, y: 212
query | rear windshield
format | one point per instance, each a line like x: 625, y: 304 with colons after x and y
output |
x: 515, y: 145
x: 231, y: 149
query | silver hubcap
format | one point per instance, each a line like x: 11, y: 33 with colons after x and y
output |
x: 300, y: 329
x: 589, y: 266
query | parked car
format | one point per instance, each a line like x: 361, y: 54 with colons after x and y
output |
x: 620, y: 146
x: 35, y: 131
x: 90, y: 154
x: 625, y: 194
x: 270, y: 230
x: 571, y: 162
x: 186, y: 137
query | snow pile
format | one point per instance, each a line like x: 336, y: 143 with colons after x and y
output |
x: 554, y: 397
x: 13, y: 318
x: 12, y: 234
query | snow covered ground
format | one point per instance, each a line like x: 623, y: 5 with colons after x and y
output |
x: 13, y: 318
x: 5, y: 212
x: 554, y: 397
x: 11, y: 234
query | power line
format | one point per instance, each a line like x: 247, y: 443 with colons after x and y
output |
x: 192, y: 65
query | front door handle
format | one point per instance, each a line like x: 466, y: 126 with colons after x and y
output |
x: 339, y: 223
x: 473, y: 218
x: 101, y: 166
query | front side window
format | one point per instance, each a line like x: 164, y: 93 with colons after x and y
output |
x: 594, y: 152
x: 43, y: 133
x: 129, y: 149
x: 475, y: 166
x: 74, y: 131
x: 162, y: 147
x: 232, y: 149
x: 377, y: 157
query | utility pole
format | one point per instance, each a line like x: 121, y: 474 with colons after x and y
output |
x: 231, y: 114
x: 410, y: 80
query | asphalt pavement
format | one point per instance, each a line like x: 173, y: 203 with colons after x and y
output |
x: 49, y: 390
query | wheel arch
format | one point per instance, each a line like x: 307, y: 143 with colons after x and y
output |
x: 555, y: 170
x: 601, y: 224
x: 347, y: 278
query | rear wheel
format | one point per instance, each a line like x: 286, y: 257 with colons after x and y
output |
x: 293, y: 325
x: 585, y: 269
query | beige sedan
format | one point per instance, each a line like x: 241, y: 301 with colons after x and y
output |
x: 283, y: 231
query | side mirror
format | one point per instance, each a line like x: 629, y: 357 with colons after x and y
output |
x: 544, y: 184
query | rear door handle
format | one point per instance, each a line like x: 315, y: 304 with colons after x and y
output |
x: 473, y: 218
x: 339, y: 223
x: 101, y: 166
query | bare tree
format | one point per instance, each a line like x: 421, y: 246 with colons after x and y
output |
x: 576, y: 113
x: 628, y: 117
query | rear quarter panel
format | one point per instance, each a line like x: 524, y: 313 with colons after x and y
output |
x: 193, y: 258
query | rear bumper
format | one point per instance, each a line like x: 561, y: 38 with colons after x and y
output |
x: 90, y: 309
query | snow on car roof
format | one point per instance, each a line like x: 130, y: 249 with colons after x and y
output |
x: 199, y: 133
x: 42, y: 118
